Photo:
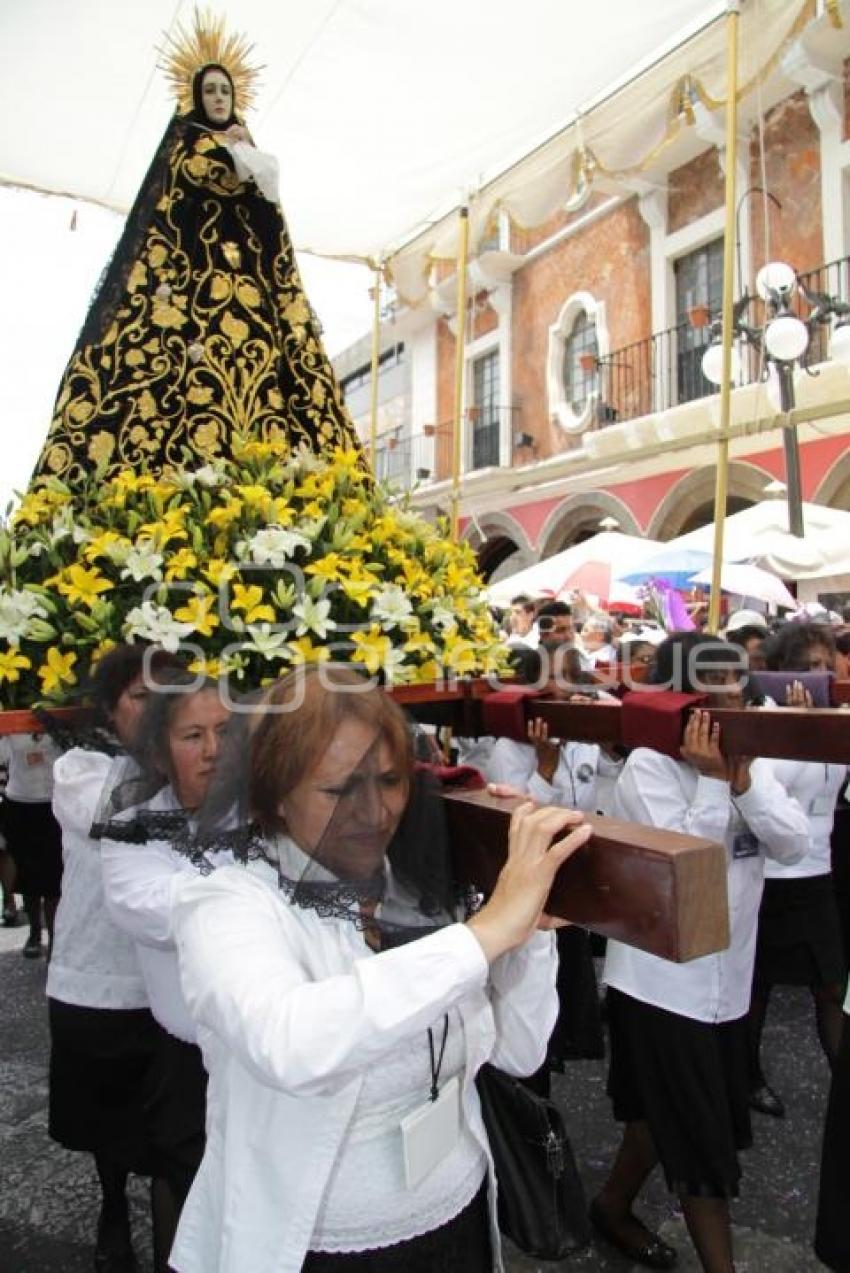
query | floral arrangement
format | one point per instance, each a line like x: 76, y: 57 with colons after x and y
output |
x: 249, y: 565
x: 663, y: 603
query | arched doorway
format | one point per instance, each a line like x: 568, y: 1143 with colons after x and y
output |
x: 834, y: 490
x: 690, y: 503
x: 501, y: 545
x: 582, y: 516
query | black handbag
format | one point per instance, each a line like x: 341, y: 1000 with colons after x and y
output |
x: 541, y: 1201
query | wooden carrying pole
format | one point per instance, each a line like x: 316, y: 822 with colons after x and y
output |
x: 460, y: 349
x: 376, y: 360
x: 721, y: 482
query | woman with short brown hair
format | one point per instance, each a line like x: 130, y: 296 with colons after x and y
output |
x: 344, y: 1014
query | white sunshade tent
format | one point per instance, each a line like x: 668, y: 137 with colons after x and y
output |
x: 384, y: 115
x: 546, y: 578
x: 760, y: 535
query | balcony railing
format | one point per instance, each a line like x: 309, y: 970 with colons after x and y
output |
x: 406, y: 460
x: 666, y: 369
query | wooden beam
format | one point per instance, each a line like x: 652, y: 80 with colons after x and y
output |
x: 658, y: 890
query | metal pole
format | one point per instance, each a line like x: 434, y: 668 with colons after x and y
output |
x: 376, y: 358
x: 793, y: 476
x: 721, y: 485
x: 460, y: 349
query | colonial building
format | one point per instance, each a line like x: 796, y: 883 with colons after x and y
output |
x: 585, y: 404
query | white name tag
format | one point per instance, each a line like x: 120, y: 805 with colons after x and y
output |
x: 430, y: 1133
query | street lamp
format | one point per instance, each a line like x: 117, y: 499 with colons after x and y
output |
x: 783, y: 340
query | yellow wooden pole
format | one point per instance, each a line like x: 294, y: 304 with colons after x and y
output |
x: 733, y: 9
x: 460, y: 348
x: 376, y: 357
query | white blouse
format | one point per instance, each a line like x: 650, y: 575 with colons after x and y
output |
x: 140, y: 882
x: 30, y: 758
x: 584, y: 777
x: 815, y: 786
x: 94, y: 964
x: 294, y: 1012
x: 661, y: 792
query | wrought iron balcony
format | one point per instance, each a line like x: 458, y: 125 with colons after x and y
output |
x: 665, y: 369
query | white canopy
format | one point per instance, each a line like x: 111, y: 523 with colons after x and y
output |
x: 384, y: 114
x: 547, y: 578
x: 760, y: 535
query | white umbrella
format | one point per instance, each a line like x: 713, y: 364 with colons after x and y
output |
x: 760, y: 535
x: 750, y: 581
x: 551, y: 577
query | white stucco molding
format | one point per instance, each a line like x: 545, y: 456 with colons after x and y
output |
x: 559, y: 333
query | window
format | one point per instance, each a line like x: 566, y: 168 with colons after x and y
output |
x: 484, y: 412
x: 581, y: 354
x: 699, y: 282
x: 577, y: 340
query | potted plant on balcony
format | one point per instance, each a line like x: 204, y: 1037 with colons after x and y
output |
x: 699, y: 316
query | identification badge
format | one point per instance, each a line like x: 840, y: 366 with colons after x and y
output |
x: 822, y: 805
x: 745, y: 845
x: 35, y: 758
x: 430, y: 1133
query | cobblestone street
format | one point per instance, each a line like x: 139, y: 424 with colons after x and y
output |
x: 48, y: 1199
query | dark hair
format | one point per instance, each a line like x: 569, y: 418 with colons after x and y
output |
x: 522, y: 600
x: 845, y: 613
x: 174, y: 685
x: 198, y: 100
x: 120, y: 667
x: 683, y: 653
x: 286, y: 745
x: 786, y: 649
x: 842, y: 643
x: 554, y: 609
x: 525, y: 661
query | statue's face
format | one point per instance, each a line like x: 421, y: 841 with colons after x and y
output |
x: 216, y: 96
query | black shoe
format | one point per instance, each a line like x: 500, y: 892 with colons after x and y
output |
x: 766, y: 1101
x: 32, y: 948
x: 653, y: 1253
x: 114, y: 1252
x: 10, y: 916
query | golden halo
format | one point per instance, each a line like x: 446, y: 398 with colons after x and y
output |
x: 186, y: 52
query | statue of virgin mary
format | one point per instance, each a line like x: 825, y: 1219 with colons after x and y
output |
x: 199, y: 332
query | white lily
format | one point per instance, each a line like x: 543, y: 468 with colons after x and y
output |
x: 275, y: 545
x: 392, y: 607
x: 142, y: 563
x: 150, y: 622
x: 313, y: 616
x: 268, y: 642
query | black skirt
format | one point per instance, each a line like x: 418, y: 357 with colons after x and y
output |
x: 578, y: 1032
x: 463, y: 1243
x: 688, y: 1080
x: 99, y: 1059
x: 799, y: 938
x: 175, y: 1103
x: 832, y: 1230
x: 34, y: 839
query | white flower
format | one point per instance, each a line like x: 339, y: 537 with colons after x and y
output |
x: 17, y: 608
x: 209, y: 476
x: 142, y: 563
x: 156, y: 624
x: 394, y: 666
x: 442, y: 616
x: 275, y: 546
x: 265, y: 642
x: 391, y: 606
x: 313, y: 616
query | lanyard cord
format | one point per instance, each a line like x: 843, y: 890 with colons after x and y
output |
x: 437, y: 1065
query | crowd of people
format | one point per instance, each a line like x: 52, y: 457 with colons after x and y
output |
x: 262, y: 986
